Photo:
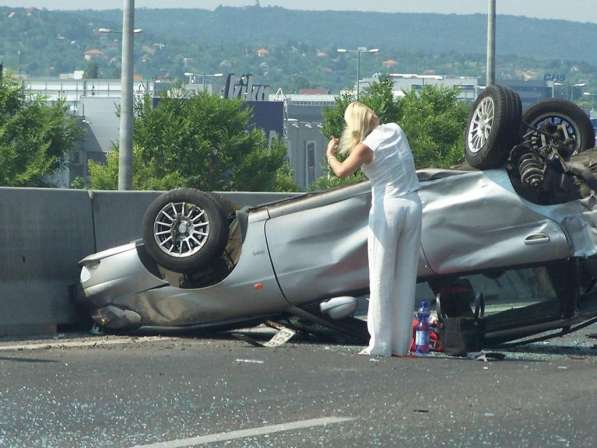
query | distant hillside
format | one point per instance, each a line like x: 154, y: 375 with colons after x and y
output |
x: 37, y: 40
x: 433, y: 33
x: 300, y: 46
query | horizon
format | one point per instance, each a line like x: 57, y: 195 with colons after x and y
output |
x: 577, y: 10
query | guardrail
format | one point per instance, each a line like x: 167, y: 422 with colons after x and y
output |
x: 45, y: 232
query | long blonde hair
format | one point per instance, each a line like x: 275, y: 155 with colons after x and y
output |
x: 360, y: 121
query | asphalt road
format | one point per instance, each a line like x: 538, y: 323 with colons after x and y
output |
x: 222, y: 392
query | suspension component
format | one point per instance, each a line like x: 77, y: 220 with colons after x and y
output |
x: 532, y: 169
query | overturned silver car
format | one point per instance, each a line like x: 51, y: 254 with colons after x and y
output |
x: 204, y: 265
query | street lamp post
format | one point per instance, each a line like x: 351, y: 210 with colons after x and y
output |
x: 490, y: 78
x: 125, y: 161
x: 358, y: 51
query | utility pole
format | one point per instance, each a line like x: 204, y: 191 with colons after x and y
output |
x: 125, y: 161
x: 491, y: 44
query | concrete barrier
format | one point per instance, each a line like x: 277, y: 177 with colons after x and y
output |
x: 118, y: 216
x: 45, y: 232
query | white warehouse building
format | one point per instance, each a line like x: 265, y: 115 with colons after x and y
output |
x: 468, y: 86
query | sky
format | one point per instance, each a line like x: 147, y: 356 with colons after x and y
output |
x: 577, y: 10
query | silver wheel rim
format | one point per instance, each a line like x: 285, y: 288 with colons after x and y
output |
x: 181, y: 229
x: 565, y: 127
x: 481, y: 124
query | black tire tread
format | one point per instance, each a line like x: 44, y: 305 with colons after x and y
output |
x: 505, y: 128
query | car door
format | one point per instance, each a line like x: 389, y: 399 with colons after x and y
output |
x: 318, y: 245
x: 475, y: 221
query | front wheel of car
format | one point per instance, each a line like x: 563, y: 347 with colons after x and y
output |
x: 185, y: 230
x: 492, y: 127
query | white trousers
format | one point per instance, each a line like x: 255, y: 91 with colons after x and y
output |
x: 393, y: 248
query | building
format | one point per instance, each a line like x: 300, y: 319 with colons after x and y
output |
x: 95, y: 103
x: 306, y: 107
x: 73, y: 90
x: 533, y: 91
x: 468, y: 86
x: 305, y: 140
x: 306, y: 151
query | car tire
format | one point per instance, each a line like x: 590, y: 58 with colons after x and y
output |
x: 571, y: 120
x: 516, y: 111
x: 185, y: 230
x: 492, y: 128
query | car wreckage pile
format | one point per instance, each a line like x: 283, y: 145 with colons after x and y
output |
x: 541, y: 149
x: 524, y: 215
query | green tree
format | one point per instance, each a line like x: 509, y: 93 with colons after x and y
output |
x: 285, y: 179
x: 104, y: 176
x: 203, y: 142
x: 34, y: 137
x: 433, y: 120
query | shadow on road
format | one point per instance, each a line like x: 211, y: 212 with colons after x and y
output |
x: 556, y: 350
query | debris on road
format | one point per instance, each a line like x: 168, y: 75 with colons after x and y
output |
x: 250, y: 361
x: 281, y: 337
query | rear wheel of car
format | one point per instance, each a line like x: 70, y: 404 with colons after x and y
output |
x: 567, y: 124
x: 492, y: 127
x: 185, y: 230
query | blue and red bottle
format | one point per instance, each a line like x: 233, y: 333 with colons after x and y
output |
x: 422, y: 330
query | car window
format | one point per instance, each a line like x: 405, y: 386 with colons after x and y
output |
x: 513, y: 289
x: 504, y: 290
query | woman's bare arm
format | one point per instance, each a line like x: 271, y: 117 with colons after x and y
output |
x: 360, y: 155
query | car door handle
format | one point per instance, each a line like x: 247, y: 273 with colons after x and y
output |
x: 537, y: 238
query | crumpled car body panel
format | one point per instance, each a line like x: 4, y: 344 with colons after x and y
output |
x: 307, y: 249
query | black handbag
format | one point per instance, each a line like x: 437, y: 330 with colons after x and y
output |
x: 463, y: 333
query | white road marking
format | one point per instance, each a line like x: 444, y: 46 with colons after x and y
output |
x: 81, y: 344
x: 253, y: 432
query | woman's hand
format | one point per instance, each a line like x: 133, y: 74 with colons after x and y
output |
x: 332, y: 148
x: 359, y: 155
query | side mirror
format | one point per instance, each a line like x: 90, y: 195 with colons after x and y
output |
x: 339, y: 307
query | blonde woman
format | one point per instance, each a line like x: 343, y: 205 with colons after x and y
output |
x: 383, y: 153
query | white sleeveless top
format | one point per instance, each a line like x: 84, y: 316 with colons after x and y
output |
x: 392, y: 171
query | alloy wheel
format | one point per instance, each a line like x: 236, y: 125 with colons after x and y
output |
x: 181, y: 229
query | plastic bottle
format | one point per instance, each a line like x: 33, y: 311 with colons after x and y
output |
x: 422, y: 330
